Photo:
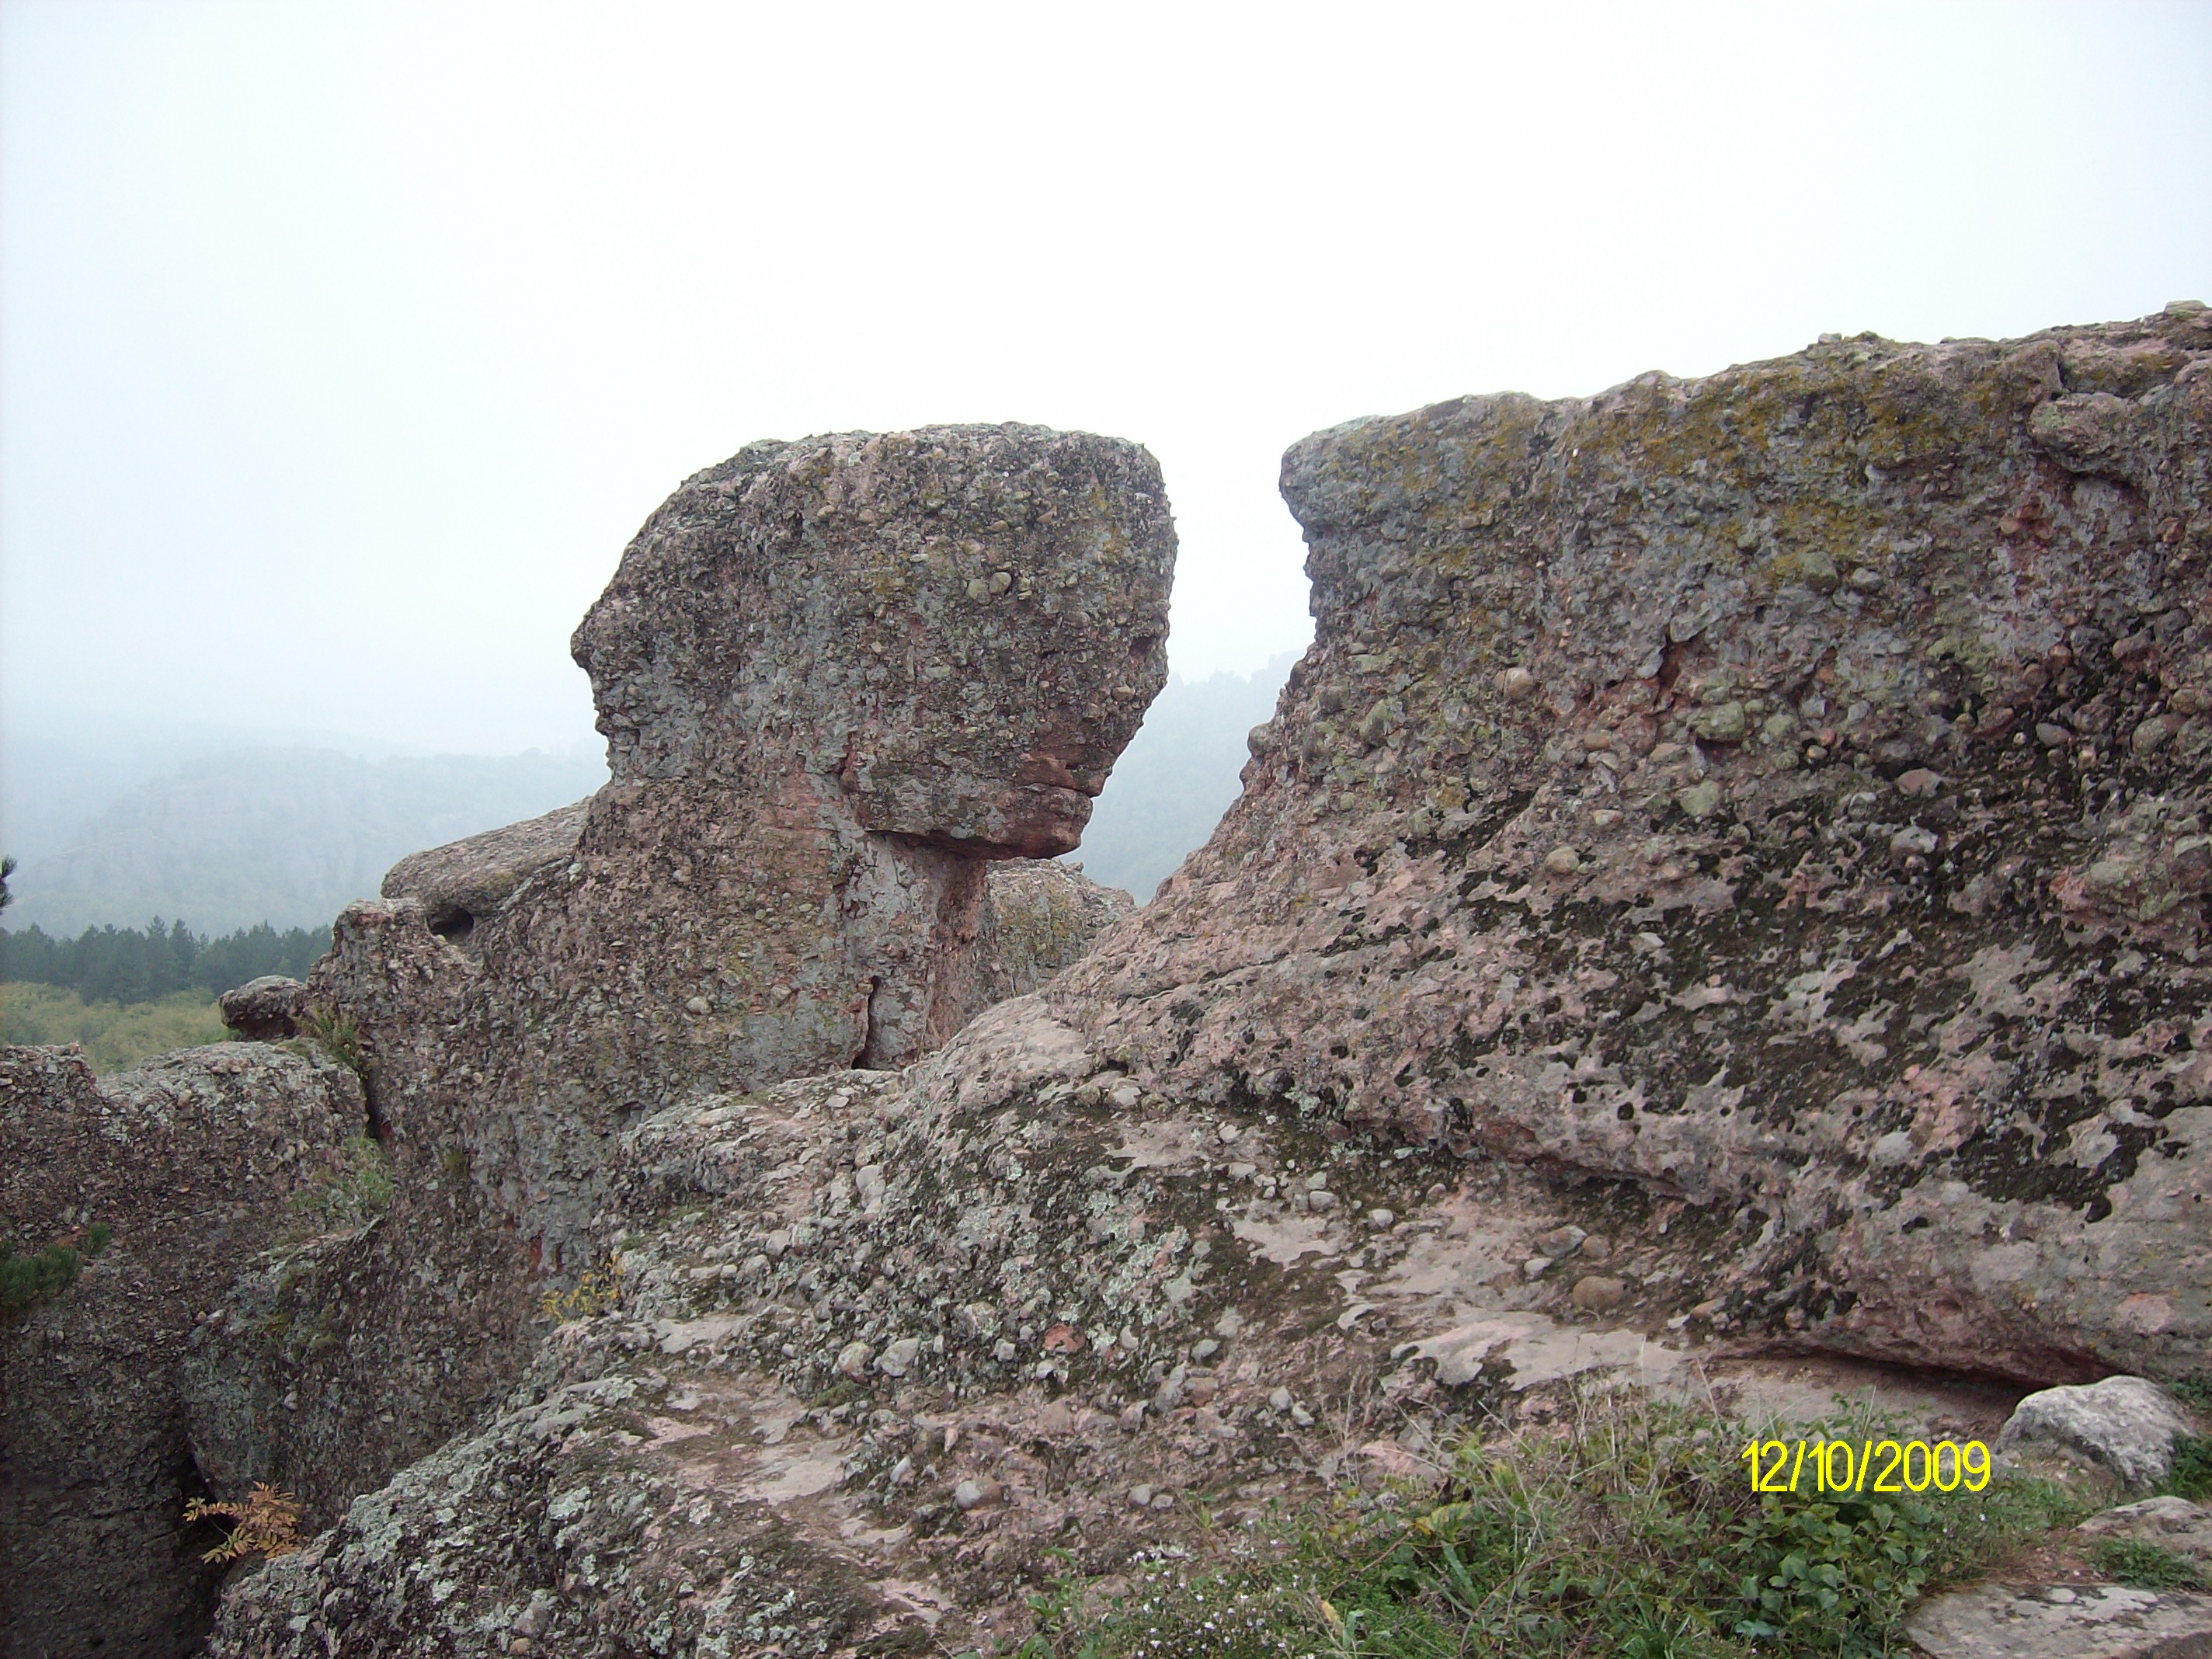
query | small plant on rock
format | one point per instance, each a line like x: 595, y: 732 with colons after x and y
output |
x: 337, y: 1035
x: 267, y: 1523
x: 27, y: 1280
x: 594, y: 1294
x: 353, y: 1194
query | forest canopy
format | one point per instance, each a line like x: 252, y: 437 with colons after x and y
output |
x: 131, y: 964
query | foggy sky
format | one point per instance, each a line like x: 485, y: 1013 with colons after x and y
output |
x: 341, y: 347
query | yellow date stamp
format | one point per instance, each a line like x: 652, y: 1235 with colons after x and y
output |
x: 1866, y: 1466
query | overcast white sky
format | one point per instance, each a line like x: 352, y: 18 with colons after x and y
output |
x: 341, y: 347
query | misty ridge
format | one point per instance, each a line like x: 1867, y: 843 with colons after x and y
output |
x: 226, y: 830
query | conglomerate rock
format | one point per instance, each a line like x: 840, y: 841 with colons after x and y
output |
x: 196, y: 1162
x: 1723, y: 878
x: 1785, y: 792
x: 839, y: 679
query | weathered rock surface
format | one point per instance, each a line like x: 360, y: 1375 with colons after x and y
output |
x: 1785, y: 792
x: 2125, y: 1424
x: 1039, y: 916
x: 457, y: 883
x: 2061, y: 1621
x: 2171, y: 1523
x: 264, y: 1010
x: 839, y: 680
x: 195, y: 1161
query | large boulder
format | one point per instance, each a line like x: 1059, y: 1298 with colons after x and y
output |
x: 839, y: 679
x: 1786, y: 792
x: 196, y: 1162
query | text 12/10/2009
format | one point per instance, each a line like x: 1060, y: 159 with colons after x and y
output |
x: 1841, y: 1467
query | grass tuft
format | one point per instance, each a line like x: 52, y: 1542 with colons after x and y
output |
x: 1629, y: 1531
x: 2146, y: 1566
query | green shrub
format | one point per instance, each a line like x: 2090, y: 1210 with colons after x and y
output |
x: 2146, y: 1566
x: 115, y: 1036
x: 1633, y: 1531
x: 27, y: 1280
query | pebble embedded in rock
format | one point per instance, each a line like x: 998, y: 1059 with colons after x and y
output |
x: 1595, y: 1293
x: 975, y: 1493
x: 1563, y: 861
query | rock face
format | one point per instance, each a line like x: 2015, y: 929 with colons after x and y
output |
x: 2125, y: 1424
x: 839, y: 680
x: 1785, y: 792
x: 198, y: 1162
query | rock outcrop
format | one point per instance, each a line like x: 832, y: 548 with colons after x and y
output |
x: 1784, y: 793
x: 1728, y: 877
x: 196, y: 1162
x: 839, y: 679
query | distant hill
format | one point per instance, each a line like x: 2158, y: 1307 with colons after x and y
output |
x: 1177, y: 777
x: 285, y: 835
x: 120, y: 826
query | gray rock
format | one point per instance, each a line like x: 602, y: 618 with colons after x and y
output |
x: 2124, y: 1423
x: 2059, y: 1621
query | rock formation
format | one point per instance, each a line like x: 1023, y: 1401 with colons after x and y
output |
x: 839, y: 680
x: 198, y: 1162
x: 1783, y: 793
x: 1729, y: 877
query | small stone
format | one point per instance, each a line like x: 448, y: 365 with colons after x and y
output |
x: 1141, y: 1497
x: 1595, y: 1249
x: 1382, y: 1220
x: 853, y: 1359
x: 2151, y: 734
x: 899, y: 1359
x: 699, y: 1006
x: 2188, y: 700
x: 1321, y: 1199
x: 1919, y: 783
x: 1724, y: 723
x: 974, y: 1494
x: 1064, y: 1338
x: 1561, y: 1242
x: 2051, y: 735
x: 1535, y: 1266
x: 1895, y: 1148
x: 1563, y: 861
x: 1301, y: 1416
x: 1241, y: 1171
x: 1280, y: 1400
x: 1203, y: 1349
x: 1004, y: 1351
x: 1605, y: 817
x: 1162, y: 1500
x: 1913, y: 841
x: 1593, y: 1293
x: 1518, y: 684
x: 1700, y: 800
x: 903, y: 1473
